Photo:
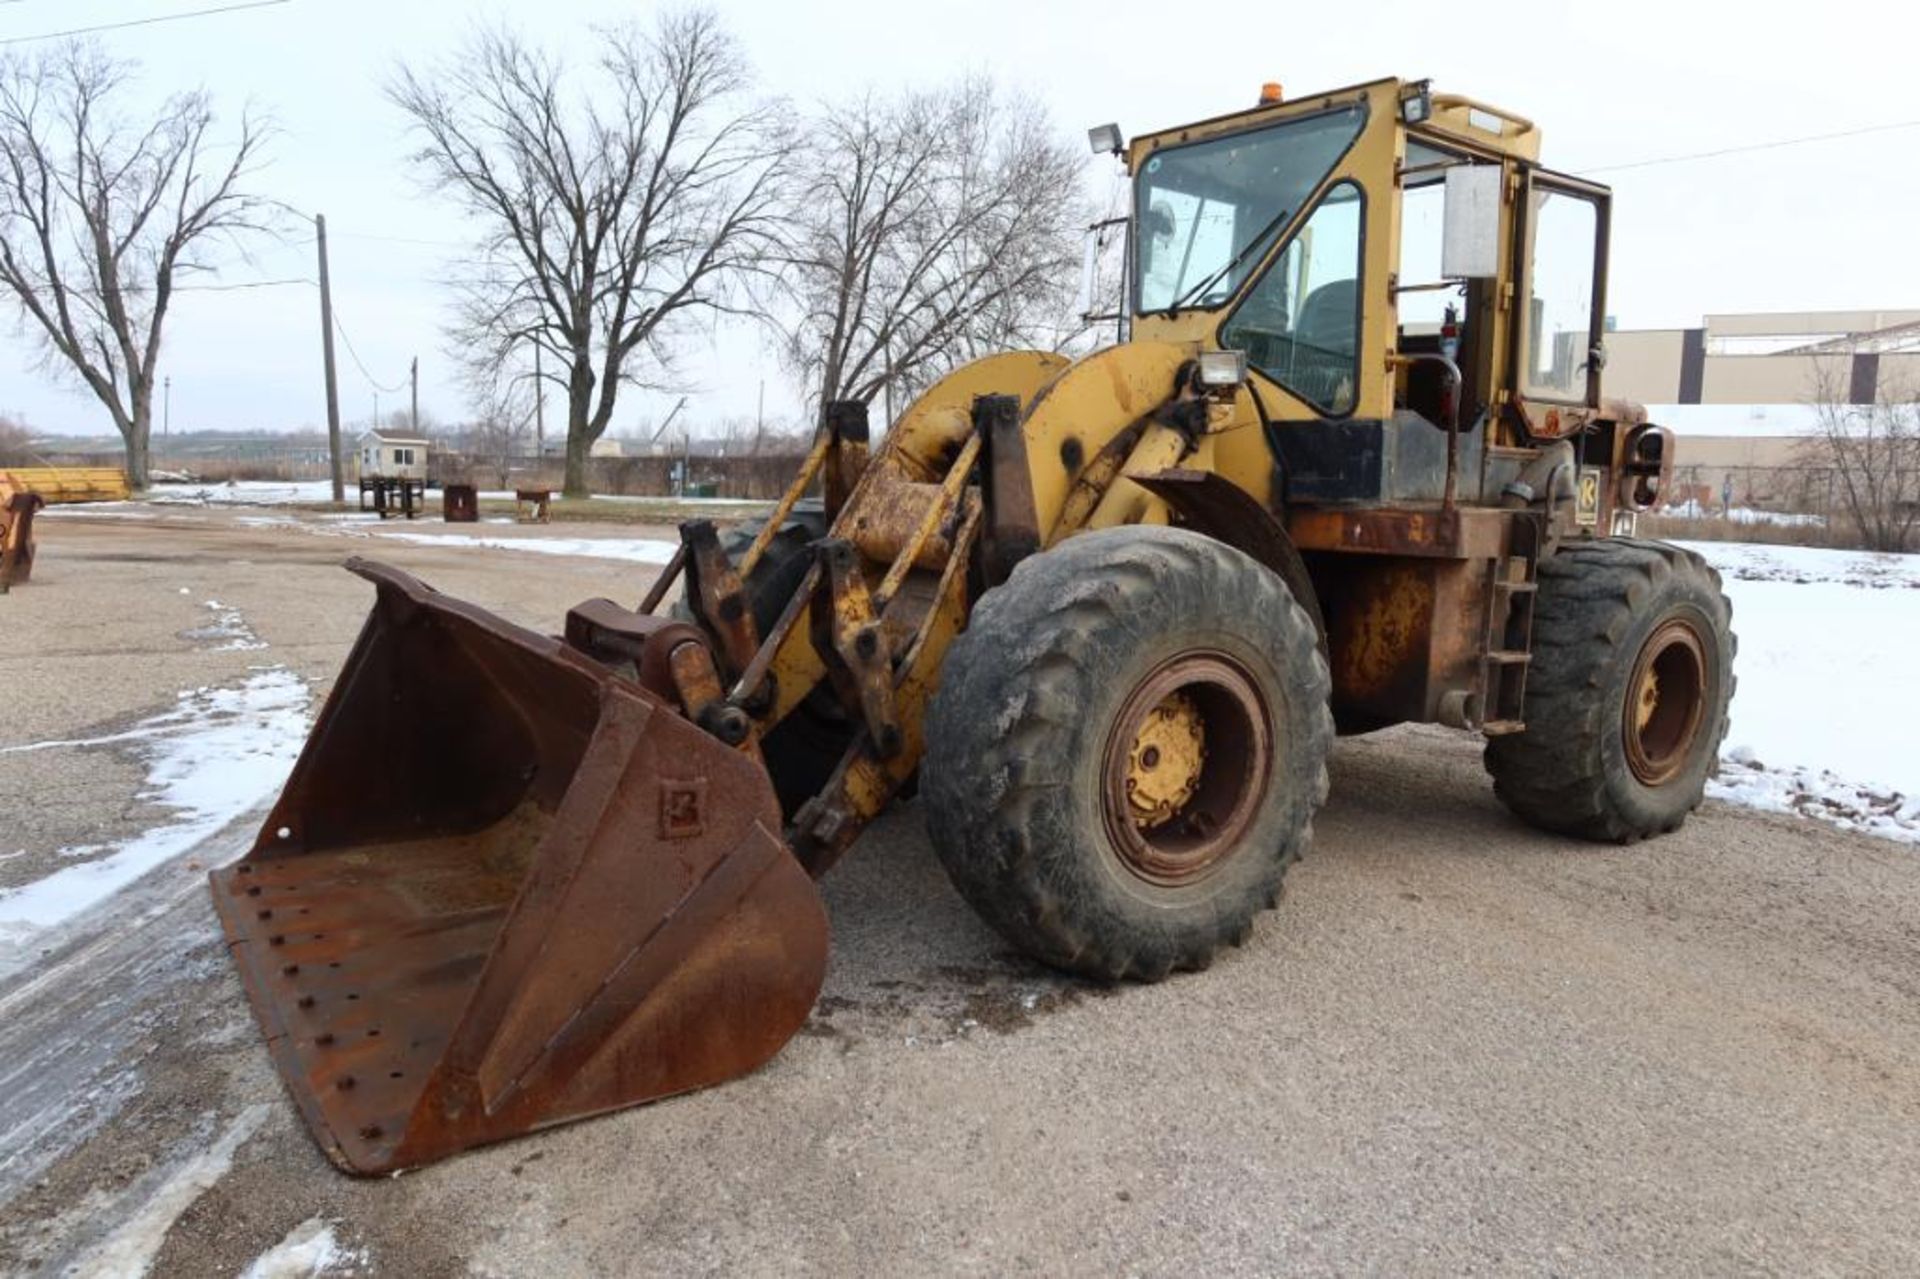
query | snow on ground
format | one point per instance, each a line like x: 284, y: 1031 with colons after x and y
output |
x: 226, y: 631
x: 129, y: 1251
x: 211, y: 758
x: 300, y: 492
x: 1824, y: 718
x: 641, y: 550
x: 1696, y: 510
x: 241, y: 493
x: 310, y: 1248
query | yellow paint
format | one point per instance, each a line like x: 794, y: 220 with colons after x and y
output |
x: 1074, y: 410
x: 63, y: 484
x: 1164, y: 764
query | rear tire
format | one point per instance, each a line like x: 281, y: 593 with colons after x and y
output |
x: 1126, y: 751
x: 1627, y: 694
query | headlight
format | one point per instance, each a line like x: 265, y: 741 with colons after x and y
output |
x: 1105, y: 139
x: 1221, y: 369
x: 1417, y: 106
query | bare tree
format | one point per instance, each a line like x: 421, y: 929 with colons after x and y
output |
x: 931, y: 228
x: 16, y: 445
x: 104, y: 207
x: 613, y: 205
x: 502, y: 428
x: 1873, y: 451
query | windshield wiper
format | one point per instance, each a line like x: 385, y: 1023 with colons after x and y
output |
x: 1273, y: 224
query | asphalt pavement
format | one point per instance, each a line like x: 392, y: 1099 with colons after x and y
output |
x: 1458, y: 1045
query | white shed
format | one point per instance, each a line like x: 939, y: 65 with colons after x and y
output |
x: 391, y: 457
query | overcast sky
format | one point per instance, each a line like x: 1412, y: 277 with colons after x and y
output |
x: 1825, y: 225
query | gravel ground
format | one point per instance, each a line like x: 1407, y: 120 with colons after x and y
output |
x: 1458, y: 1044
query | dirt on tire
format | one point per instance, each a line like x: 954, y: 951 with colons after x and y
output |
x: 1018, y: 740
x: 1600, y: 604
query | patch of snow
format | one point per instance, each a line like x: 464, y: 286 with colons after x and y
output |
x: 1804, y: 565
x: 214, y: 756
x: 310, y: 1248
x: 242, y: 493
x: 640, y: 550
x: 1805, y: 792
x: 665, y: 499
x: 1823, y: 715
x: 227, y: 632
x: 1692, y: 509
x: 129, y: 1251
x: 1736, y: 421
x: 94, y: 511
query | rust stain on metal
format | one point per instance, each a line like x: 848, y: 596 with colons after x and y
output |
x: 16, y: 535
x: 490, y: 859
x: 717, y: 596
x: 683, y: 805
x: 1380, y: 636
x: 851, y: 642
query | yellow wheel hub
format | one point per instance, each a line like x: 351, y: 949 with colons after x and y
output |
x: 1166, y: 760
x: 1647, y: 700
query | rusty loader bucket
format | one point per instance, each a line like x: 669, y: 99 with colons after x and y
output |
x: 16, y: 534
x: 506, y: 887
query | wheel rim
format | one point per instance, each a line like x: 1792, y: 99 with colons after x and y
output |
x: 1665, y: 702
x: 1188, y: 760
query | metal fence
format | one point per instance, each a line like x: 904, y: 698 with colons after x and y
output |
x: 1787, y: 494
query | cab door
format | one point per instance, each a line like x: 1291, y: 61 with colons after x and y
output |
x: 1561, y: 304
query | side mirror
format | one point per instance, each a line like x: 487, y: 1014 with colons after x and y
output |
x: 1470, y: 223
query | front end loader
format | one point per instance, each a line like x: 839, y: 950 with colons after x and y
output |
x: 1347, y: 465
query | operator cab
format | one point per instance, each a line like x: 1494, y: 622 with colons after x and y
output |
x: 1358, y: 247
x: 1212, y: 211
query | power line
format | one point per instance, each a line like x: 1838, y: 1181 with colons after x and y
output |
x: 358, y: 362
x: 144, y: 22
x: 243, y: 284
x: 400, y: 239
x: 1755, y: 146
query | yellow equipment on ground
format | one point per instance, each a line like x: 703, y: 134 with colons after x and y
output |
x: 1347, y: 465
x: 58, y: 485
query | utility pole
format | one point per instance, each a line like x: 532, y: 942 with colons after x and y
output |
x: 539, y: 407
x: 166, y: 406
x: 416, y: 394
x: 326, y: 348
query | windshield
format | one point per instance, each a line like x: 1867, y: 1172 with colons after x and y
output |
x: 1209, y: 209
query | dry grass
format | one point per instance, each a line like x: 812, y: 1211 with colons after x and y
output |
x: 1839, y: 533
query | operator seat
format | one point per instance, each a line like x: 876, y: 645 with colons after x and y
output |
x: 1324, y: 338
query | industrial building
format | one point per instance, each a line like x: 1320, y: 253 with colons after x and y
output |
x: 1741, y: 391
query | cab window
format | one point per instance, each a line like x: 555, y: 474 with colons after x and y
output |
x: 1300, y: 325
x: 1560, y: 279
x: 1207, y: 211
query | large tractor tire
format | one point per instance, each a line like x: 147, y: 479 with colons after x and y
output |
x: 1627, y: 694
x: 1126, y: 751
x: 803, y: 749
x: 777, y: 576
